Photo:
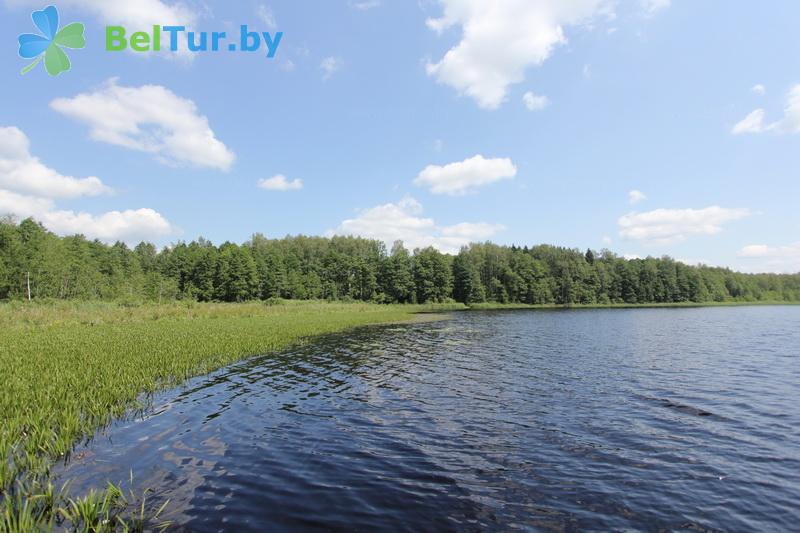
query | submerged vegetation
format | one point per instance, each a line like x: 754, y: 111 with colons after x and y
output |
x: 38, y: 263
x: 68, y: 368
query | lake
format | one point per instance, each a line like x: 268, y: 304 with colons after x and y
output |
x: 647, y: 419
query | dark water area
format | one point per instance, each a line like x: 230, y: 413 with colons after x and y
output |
x: 645, y: 419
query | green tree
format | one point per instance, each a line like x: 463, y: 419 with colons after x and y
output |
x: 467, y: 286
x: 300, y: 267
x: 237, y: 276
x: 432, y: 276
x: 396, y: 275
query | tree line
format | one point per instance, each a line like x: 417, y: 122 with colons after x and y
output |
x: 37, y: 263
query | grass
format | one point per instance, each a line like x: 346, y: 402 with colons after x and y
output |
x: 70, y: 368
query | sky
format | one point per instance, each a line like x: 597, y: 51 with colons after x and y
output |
x: 648, y: 127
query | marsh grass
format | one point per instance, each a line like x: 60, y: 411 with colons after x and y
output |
x: 108, y: 510
x: 70, y: 368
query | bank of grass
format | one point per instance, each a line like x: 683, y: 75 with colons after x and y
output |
x: 68, y: 369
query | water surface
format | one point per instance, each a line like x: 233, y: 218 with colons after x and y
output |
x: 650, y: 419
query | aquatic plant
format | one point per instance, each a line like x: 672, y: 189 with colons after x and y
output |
x: 70, y: 368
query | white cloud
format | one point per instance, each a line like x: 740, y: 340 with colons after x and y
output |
x: 404, y: 221
x: 752, y: 123
x: 330, y: 66
x: 266, y: 15
x: 675, y: 225
x: 131, y: 225
x: 364, y: 5
x: 535, y: 102
x: 138, y: 15
x: 634, y: 197
x: 150, y: 119
x: 766, y: 258
x: 606, y: 240
x: 24, y: 173
x: 587, y: 71
x: 759, y: 89
x: 791, y: 113
x: 790, y: 123
x: 651, y: 7
x: 23, y: 206
x: 501, y: 39
x: 280, y: 183
x: 462, y: 177
x: 28, y: 189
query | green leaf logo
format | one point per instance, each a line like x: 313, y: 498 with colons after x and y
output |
x: 49, y: 45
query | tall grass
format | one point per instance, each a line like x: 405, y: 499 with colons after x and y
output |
x: 68, y: 369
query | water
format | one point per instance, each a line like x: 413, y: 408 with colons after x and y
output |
x: 647, y: 419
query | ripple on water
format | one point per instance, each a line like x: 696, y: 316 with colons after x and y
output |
x: 545, y: 420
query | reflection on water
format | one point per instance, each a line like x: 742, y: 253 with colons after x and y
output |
x: 545, y: 420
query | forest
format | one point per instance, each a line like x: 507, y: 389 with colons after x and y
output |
x: 38, y: 264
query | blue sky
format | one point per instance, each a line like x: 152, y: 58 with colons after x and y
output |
x: 438, y: 122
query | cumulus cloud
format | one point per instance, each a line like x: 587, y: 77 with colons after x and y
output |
x: 501, y: 39
x: 535, y: 102
x: 465, y: 176
x: 28, y: 189
x: 22, y: 205
x: 651, y: 7
x: 752, y: 123
x: 280, y: 183
x: 634, y: 197
x: 404, y: 221
x: 675, y: 225
x: 364, y: 5
x: 790, y: 123
x: 772, y: 258
x: 24, y: 173
x: 150, y: 119
x: 138, y: 15
x: 759, y: 89
x: 131, y: 225
x: 330, y: 66
x: 266, y: 15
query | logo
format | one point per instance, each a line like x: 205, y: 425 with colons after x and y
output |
x: 49, y: 45
x: 177, y: 38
